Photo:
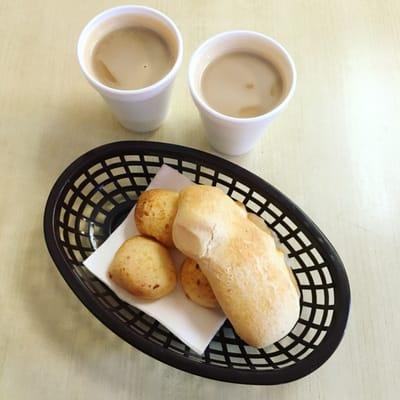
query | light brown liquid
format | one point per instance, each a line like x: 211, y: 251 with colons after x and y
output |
x: 131, y: 58
x: 241, y: 85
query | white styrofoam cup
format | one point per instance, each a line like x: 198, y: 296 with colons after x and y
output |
x: 232, y: 135
x: 140, y: 110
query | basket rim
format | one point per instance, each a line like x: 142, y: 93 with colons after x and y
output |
x: 290, y: 373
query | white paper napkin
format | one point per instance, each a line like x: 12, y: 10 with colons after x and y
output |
x: 192, y: 324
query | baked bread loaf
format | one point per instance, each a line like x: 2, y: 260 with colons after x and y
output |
x: 155, y: 212
x: 144, y: 268
x: 196, y: 286
x: 258, y: 221
x: 242, y: 207
x: 246, y: 272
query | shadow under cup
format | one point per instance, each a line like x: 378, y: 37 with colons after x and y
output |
x: 234, y: 135
x: 141, y: 109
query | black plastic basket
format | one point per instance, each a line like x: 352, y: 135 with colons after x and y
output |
x: 94, y: 194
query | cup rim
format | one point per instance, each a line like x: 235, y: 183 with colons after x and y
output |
x: 130, y: 9
x: 237, y: 120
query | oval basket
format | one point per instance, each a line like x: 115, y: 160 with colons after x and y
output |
x: 94, y: 194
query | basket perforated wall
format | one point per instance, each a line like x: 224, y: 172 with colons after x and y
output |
x: 101, y: 188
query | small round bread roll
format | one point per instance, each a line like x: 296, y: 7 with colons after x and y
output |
x: 144, y: 268
x: 155, y: 213
x: 196, y: 285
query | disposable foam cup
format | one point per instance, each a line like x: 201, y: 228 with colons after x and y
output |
x: 227, y: 134
x: 143, y: 109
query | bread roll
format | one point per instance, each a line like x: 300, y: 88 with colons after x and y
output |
x: 242, y: 207
x: 258, y: 221
x: 247, y: 273
x: 196, y: 286
x: 144, y: 268
x: 155, y: 212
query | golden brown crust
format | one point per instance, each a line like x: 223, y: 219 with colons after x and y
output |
x: 154, y: 214
x: 245, y: 270
x: 144, y: 268
x: 196, y: 286
x: 258, y: 222
x: 241, y: 206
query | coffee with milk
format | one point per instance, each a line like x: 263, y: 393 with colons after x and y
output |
x: 242, y: 85
x: 131, y: 58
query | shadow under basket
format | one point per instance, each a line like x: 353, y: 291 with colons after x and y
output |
x: 95, y: 193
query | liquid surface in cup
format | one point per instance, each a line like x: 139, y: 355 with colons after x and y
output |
x: 242, y: 85
x: 131, y: 58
